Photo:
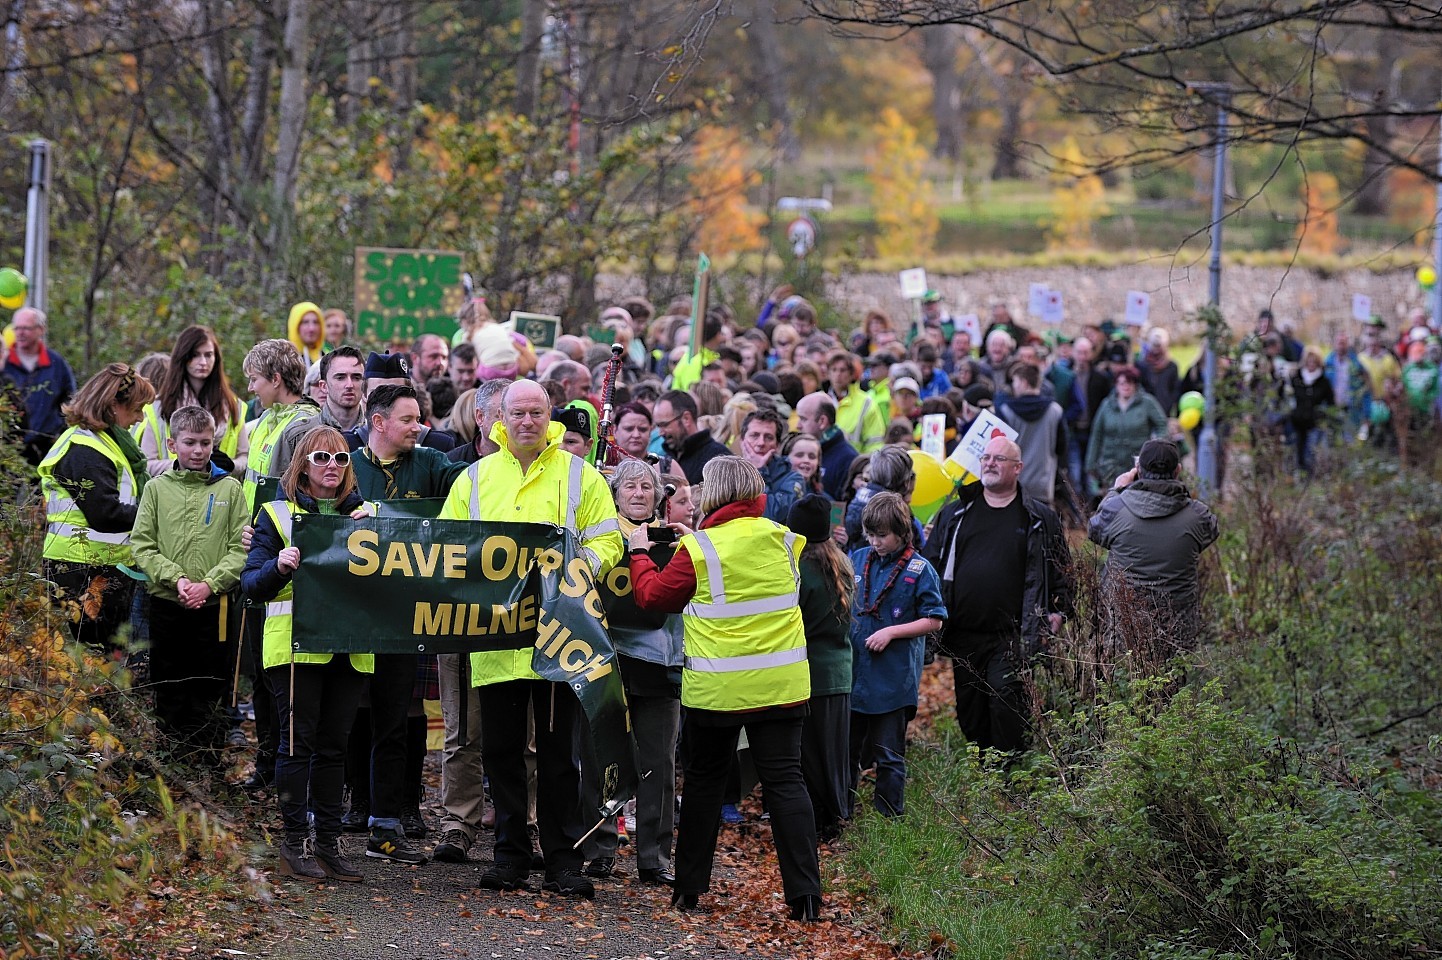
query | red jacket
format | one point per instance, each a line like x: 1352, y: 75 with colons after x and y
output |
x: 669, y: 590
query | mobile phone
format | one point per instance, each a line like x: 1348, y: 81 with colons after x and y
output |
x: 661, y: 535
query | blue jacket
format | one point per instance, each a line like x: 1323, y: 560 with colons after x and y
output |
x: 784, y: 486
x: 889, y: 680
x: 42, y: 391
x: 837, y: 454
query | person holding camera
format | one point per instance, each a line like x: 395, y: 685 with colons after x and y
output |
x: 736, y: 579
x: 648, y: 648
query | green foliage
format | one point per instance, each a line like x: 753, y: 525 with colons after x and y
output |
x: 1270, y: 795
x: 86, y: 822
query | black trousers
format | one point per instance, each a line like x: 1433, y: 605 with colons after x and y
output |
x: 390, y: 689
x: 310, y: 771
x: 558, y: 776
x: 881, y: 737
x: 262, y: 697
x: 190, y: 669
x: 776, y: 751
x: 991, y: 699
x: 100, y: 597
x: 825, y: 755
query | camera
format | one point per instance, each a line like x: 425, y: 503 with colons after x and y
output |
x: 661, y: 535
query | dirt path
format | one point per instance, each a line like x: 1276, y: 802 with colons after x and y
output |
x: 436, y: 911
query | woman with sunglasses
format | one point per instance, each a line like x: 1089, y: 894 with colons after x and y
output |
x: 316, y: 693
x: 92, y: 478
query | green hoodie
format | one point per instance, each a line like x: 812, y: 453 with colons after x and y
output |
x: 188, y: 525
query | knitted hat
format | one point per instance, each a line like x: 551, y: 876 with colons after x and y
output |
x: 811, y: 517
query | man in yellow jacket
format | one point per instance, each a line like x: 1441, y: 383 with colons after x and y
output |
x: 530, y: 479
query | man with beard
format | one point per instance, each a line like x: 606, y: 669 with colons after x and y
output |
x: 1005, y: 579
x: 675, y: 418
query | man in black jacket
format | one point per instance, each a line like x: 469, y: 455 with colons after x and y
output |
x: 1005, y: 576
x: 675, y: 417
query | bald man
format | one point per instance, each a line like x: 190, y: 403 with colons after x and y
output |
x: 531, y: 479
x: 1005, y: 573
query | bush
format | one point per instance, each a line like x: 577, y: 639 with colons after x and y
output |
x: 87, y: 824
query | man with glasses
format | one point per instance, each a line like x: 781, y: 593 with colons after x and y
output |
x: 675, y: 419
x: 41, y: 378
x: 531, y: 479
x: 1005, y: 576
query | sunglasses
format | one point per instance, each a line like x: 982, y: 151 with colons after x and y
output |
x: 322, y: 458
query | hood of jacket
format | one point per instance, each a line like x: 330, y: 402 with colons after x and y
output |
x: 1030, y: 407
x: 731, y: 511
x: 1152, y: 499
x: 292, y: 326
x: 502, y: 437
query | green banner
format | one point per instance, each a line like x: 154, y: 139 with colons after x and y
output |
x: 414, y: 585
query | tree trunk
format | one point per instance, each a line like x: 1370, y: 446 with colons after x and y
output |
x: 1007, y: 163
x: 771, y: 71
x: 1373, y: 195
x: 360, y: 57
x: 219, y: 187
x: 528, y: 61
x: 255, y: 98
x: 939, y: 51
x: 293, y: 91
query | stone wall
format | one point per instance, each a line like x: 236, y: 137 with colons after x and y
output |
x: 1318, y: 304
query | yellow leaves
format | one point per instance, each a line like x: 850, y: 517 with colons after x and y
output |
x: 719, y: 180
x: 906, y: 217
x: 1412, y: 202
x: 1319, y: 232
x: 1077, y: 202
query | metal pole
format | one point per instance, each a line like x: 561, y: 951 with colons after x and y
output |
x: 1207, y: 442
x: 1437, y: 237
x: 37, y: 225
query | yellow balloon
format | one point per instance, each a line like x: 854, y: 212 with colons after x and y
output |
x: 13, y: 303
x: 933, y: 486
x: 1426, y: 276
x: 9, y: 335
x: 1190, y: 418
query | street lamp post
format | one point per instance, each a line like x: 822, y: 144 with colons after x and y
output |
x: 1219, y: 94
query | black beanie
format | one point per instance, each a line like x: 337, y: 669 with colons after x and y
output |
x: 811, y: 517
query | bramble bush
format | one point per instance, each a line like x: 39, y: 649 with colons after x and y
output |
x: 1270, y: 794
x: 89, y: 830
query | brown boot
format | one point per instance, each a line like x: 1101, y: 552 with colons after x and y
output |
x: 298, y: 860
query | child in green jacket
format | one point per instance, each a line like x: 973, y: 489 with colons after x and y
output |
x: 186, y: 540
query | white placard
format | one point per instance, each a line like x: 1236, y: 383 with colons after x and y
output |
x: 1361, y: 307
x: 986, y: 427
x: 913, y: 283
x: 1139, y: 305
x: 933, y: 435
x: 1052, y: 309
x: 1036, y: 299
x: 971, y: 323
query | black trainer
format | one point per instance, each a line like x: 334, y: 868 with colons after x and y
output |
x: 570, y: 883
x: 503, y: 875
x: 414, y: 824
x: 453, y: 847
x: 393, y: 845
x: 601, y: 867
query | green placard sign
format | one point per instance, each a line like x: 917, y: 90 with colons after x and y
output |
x: 541, y: 329
x: 400, y: 294
x: 413, y: 585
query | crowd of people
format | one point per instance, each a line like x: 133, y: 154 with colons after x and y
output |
x: 745, y: 508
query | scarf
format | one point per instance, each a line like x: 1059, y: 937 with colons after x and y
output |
x: 130, y: 450
x: 1310, y: 377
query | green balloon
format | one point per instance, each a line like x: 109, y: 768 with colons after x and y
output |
x: 12, y: 282
x: 1192, y: 400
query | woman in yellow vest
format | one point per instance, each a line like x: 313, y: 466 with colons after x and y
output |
x: 91, y: 479
x: 195, y: 377
x: 316, y: 693
x: 735, y: 581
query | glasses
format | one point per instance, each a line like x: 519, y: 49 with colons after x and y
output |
x: 323, y: 458
x: 663, y: 424
x: 997, y: 458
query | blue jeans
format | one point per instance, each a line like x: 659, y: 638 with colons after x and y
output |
x: 881, y: 737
